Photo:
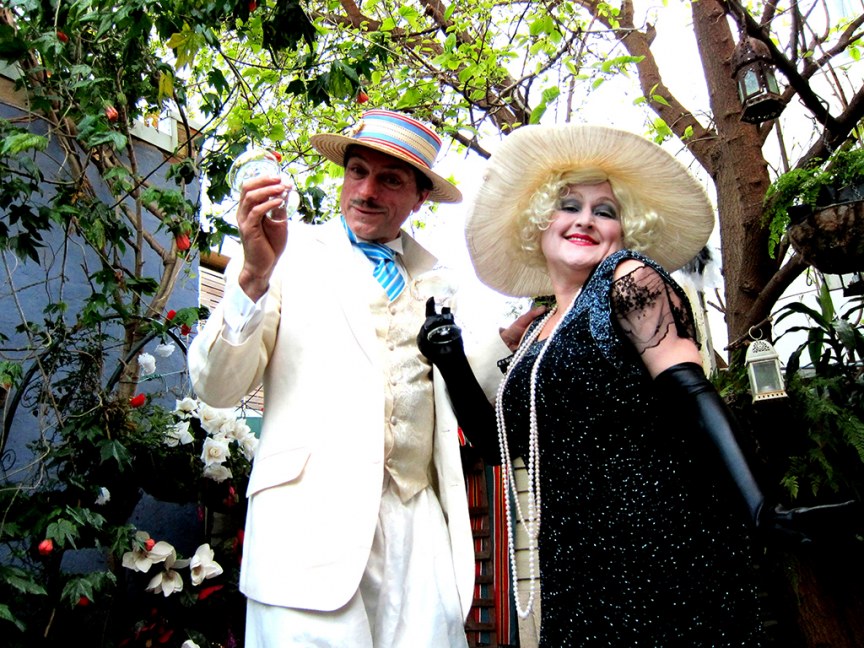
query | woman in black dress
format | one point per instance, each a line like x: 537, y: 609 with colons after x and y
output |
x: 643, y: 539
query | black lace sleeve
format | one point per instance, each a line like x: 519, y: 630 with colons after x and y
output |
x: 649, y: 308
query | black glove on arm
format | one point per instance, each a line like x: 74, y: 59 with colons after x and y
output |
x: 474, y: 413
x: 687, y: 381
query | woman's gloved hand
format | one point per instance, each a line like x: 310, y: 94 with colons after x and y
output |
x: 688, y: 387
x: 440, y: 340
x: 805, y: 525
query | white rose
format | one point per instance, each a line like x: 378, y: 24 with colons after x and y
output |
x: 186, y: 406
x: 178, y: 434
x: 164, y: 350
x: 146, y: 363
x: 211, y: 418
x: 215, y: 450
x: 217, y: 472
x: 248, y: 446
x: 104, y: 496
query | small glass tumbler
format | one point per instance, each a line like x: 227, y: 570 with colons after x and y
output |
x: 439, y: 283
x: 256, y: 162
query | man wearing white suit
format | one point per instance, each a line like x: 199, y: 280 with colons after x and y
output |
x: 357, y: 532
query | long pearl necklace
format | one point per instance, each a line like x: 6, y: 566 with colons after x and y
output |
x: 531, y: 523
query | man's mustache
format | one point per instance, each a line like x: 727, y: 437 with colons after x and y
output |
x: 363, y: 203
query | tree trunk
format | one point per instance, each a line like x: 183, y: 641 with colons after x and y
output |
x: 739, y: 171
x: 819, y: 599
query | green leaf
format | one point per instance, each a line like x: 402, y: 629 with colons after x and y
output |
x: 63, y: 532
x: 22, y: 581
x: 7, y: 615
x: 166, y: 85
x: 186, y: 45
x: 85, y: 517
x: 116, y: 451
x: 87, y: 586
x: 537, y: 114
x: 18, y: 143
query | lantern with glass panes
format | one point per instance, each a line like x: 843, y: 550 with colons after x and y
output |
x: 763, y: 370
x: 758, y: 90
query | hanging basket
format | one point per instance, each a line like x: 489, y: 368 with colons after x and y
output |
x: 830, y: 238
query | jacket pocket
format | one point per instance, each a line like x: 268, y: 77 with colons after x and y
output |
x: 277, y: 469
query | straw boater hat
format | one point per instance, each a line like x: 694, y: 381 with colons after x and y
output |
x: 528, y: 157
x: 395, y: 134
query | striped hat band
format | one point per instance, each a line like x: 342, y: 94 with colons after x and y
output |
x: 395, y: 134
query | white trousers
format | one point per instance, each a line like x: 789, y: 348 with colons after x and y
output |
x: 407, y: 597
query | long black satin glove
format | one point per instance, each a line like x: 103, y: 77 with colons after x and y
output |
x: 474, y: 413
x: 687, y: 381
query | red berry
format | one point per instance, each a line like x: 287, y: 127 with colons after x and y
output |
x: 276, y: 155
x: 46, y: 547
x: 137, y: 400
x: 83, y: 601
x: 185, y: 329
x: 149, y: 544
x: 111, y: 113
x: 183, y: 242
x: 253, y: 5
x: 362, y: 97
x: 63, y: 38
x: 170, y: 315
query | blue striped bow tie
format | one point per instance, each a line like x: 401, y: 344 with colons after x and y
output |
x: 385, y: 270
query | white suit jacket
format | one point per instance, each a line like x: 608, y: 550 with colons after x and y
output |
x: 316, y: 481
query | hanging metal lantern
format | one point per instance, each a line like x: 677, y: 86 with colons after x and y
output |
x: 758, y: 90
x: 763, y: 369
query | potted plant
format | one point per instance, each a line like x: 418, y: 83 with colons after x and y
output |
x: 821, y: 210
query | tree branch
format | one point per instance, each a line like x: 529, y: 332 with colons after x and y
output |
x: 774, y: 289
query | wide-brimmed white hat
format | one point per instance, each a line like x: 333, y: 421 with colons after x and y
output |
x: 395, y: 134
x: 530, y: 155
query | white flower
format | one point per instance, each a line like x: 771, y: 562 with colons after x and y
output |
x: 238, y: 430
x: 178, y: 434
x: 202, y: 565
x: 228, y: 428
x: 164, y: 350
x: 138, y: 559
x: 217, y: 472
x: 189, y: 644
x: 142, y: 559
x: 248, y: 446
x: 215, y: 450
x: 104, y: 496
x: 167, y: 581
x: 163, y: 552
x: 146, y: 363
x: 186, y: 406
x: 211, y: 418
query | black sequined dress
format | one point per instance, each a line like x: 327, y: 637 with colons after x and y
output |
x: 643, y: 540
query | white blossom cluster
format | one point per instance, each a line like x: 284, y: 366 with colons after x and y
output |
x: 223, y: 428
x: 148, y: 552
